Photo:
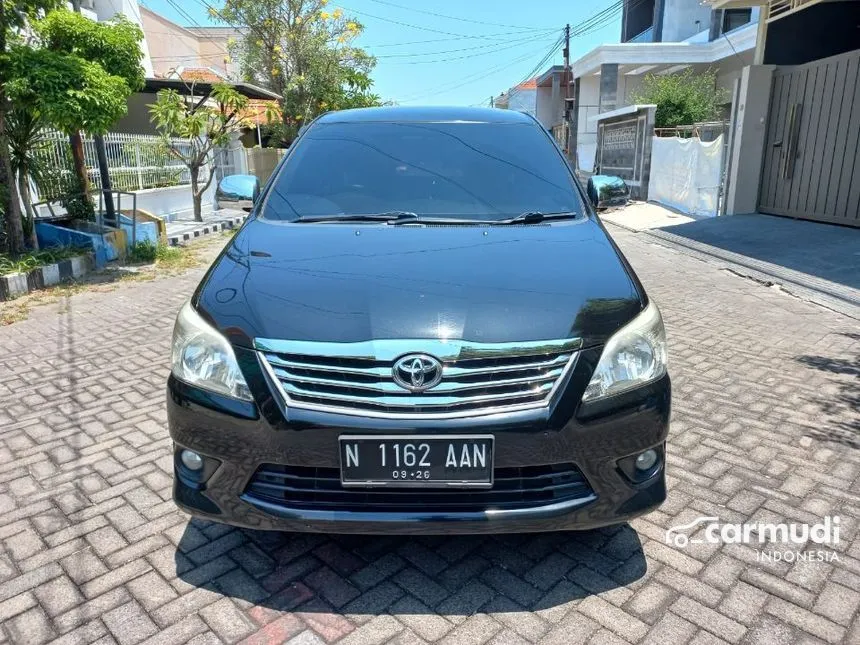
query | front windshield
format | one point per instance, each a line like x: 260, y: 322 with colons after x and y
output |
x: 470, y: 171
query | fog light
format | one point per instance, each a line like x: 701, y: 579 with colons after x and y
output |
x: 192, y: 461
x: 644, y: 461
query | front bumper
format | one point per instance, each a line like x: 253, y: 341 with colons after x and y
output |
x: 237, y: 438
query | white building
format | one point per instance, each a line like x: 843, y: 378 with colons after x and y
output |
x: 657, y: 37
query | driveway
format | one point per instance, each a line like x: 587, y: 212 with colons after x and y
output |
x: 765, y: 428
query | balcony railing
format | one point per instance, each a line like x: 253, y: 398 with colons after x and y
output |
x: 646, y: 36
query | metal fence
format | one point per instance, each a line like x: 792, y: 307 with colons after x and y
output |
x: 706, y: 131
x: 135, y: 162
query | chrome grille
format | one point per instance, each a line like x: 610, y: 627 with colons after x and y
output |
x: 477, y: 378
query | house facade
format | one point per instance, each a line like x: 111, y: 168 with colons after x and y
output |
x: 521, y: 97
x: 796, y: 132
x: 172, y: 47
x: 657, y: 37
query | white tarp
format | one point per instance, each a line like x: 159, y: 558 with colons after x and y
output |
x: 685, y: 174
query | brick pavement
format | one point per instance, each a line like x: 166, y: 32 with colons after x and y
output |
x: 765, y: 426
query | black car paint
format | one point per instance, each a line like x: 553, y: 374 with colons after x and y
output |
x: 347, y: 282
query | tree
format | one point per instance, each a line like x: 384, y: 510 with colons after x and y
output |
x: 23, y: 129
x: 113, y: 50
x: 14, y: 16
x: 204, y: 123
x: 682, y: 99
x: 304, y: 52
x: 73, y: 74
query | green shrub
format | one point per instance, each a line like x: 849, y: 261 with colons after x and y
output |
x: 149, y: 252
x: 682, y: 99
x: 145, y: 251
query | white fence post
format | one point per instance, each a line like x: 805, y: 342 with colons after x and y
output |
x: 136, y: 145
x: 135, y: 162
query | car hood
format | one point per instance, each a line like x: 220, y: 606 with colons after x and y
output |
x: 348, y: 283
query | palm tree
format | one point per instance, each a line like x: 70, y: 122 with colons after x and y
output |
x: 24, y: 127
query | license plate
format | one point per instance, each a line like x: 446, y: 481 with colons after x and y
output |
x: 417, y: 460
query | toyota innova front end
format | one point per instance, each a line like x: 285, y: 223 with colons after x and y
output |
x: 422, y: 328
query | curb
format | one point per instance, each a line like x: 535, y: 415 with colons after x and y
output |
x: 14, y: 285
x: 206, y: 229
x: 831, y: 295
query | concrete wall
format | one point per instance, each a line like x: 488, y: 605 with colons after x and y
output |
x: 523, y: 101
x: 169, y: 44
x: 263, y: 161
x: 172, y: 46
x: 608, y: 100
x: 137, y: 119
x: 546, y: 112
x: 730, y: 70
x: 174, y: 201
x: 106, y: 9
x: 747, y: 154
x: 589, y: 98
x: 627, y: 86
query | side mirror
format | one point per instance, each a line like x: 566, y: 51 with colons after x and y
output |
x: 238, y: 191
x: 605, y: 191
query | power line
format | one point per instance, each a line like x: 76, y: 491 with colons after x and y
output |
x: 206, y: 5
x: 447, y: 87
x: 435, y: 31
x: 589, y: 25
x: 442, y: 15
x: 190, y: 20
x: 515, y: 89
x: 497, y: 37
x: 529, y: 38
x: 519, y: 43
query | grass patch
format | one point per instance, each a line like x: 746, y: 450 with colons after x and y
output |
x: 35, y: 259
x: 13, y: 312
x: 162, y: 256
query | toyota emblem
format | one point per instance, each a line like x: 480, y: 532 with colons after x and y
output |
x: 417, y: 372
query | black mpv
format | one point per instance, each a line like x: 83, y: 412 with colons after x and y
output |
x: 421, y: 327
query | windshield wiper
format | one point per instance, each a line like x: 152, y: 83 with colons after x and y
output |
x: 533, y: 217
x: 389, y: 216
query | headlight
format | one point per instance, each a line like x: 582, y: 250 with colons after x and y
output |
x: 633, y: 356
x: 203, y: 357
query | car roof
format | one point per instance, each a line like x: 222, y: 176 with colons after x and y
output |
x: 436, y: 114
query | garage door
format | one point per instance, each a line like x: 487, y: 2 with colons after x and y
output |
x: 812, y: 156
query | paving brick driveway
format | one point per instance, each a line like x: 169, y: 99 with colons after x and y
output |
x: 765, y: 426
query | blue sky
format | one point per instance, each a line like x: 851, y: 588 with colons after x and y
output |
x: 492, y: 45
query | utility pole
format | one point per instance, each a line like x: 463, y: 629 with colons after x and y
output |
x: 565, y: 78
x: 80, y: 163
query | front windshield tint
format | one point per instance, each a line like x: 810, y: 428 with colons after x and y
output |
x: 470, y: 171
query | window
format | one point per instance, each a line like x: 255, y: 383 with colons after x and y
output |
x: 451, y: 169
x: 734, y: 18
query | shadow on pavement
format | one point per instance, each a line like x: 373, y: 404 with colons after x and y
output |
x: 840, y: 422
x: 825, y: 251
x: 372, y: 575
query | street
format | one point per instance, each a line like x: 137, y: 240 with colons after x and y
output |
x: 765, y: 427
